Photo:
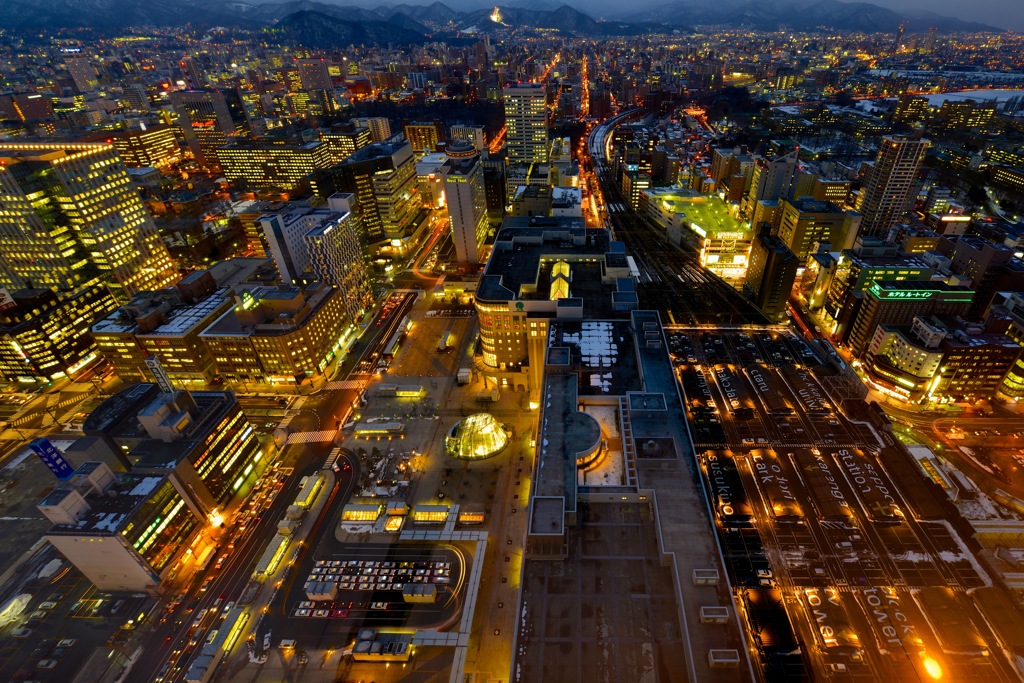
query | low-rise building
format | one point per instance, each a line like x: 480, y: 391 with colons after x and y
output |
x: 705, y: 224
x: 165, y: 325
x: 279, y: 334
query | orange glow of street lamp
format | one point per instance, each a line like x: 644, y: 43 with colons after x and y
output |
x: 932, y: 668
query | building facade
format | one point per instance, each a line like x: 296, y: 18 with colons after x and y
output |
x: 526, y: 123
x: 278, y: 335
x: 72, y: 215
x: 889, y: 184
x: 46, y: 335
x: 466, y: 200
x: 266, y: 164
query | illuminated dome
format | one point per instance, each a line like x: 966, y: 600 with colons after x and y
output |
x: 476, y: 437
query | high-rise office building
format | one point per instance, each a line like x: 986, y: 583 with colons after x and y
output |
x: 195, y: 77
x: 345, y: 140
x: 886, y: 195
x: 155, y: 146
x: 466, y: 199
x: 772, y: 178
x: 382, y: 177
x: 804, y: 222
x: 82, y: 73
x: 336, y: 255
x: 209, y: 119
x: 770, y: 275
x: 380, y: 127
x: 45, y: 336
x: 313, y: 74
x: 526, y: 122
x: 424, y: 136
x: 268, y: 164
x: 72, y: 215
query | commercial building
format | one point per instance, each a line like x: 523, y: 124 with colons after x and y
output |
x: 466, y: 200
x: 889, y: 184
x: 273, y: 164
x: 165, y: 325
x: 974, y: 364
x: 705, y: 224
x: 379, y: 127
x: 541, y: 269
x: 898, y: 303
x: 191, y: 457
x: 45, y: 336
x: 123, y: 534
x: 905, y: 361
x: 382, y: 176
x: 424, y: 136
x: 71, y: 216
x: 474, y: 135
x: 770, y: 275
x: 871, y: 259
x: 345, y: 140
x: 278, y: 335
x: 430, y: 180
x: 155, y: 147
x: 209, y: 120
x: 201, y: 440
x: 526, y: 123
x: 804, y: 222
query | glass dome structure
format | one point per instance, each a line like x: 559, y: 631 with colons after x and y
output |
x: 476, y: 437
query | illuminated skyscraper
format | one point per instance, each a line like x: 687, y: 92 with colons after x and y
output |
x: 423, y: 136
x: 71, y: 214
x: 466, y: 199
x: 208, y: 119
x: 82, y: 73
x: 526, y: 121
x: 887, y: 188
x: 379, y: 126
x: 313, y: 74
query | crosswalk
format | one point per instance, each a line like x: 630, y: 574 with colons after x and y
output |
x: 321, y: 436
x: 332, y: 458
x: 343, y: 384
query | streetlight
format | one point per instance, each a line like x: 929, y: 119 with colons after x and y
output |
x: 932, y: 668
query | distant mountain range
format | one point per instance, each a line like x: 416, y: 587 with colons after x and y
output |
x: 326, y: 25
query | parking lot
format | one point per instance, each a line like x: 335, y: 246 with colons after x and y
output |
x: 806, y: 507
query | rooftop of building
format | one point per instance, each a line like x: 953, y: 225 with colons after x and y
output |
x: 707, y: 213
x: 601, y: 352
x: 107, y: 513
x: 274, y: 145
x: 235, y: 271
x: 378, y: 150
x: 514, y: 270
x: 811, y: 205
x: 230, y: 324
x: 182, y: 318
x: 565, y: 197
x: 155, y: 455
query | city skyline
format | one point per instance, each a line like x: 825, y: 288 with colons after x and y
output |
x: 354, y: 344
